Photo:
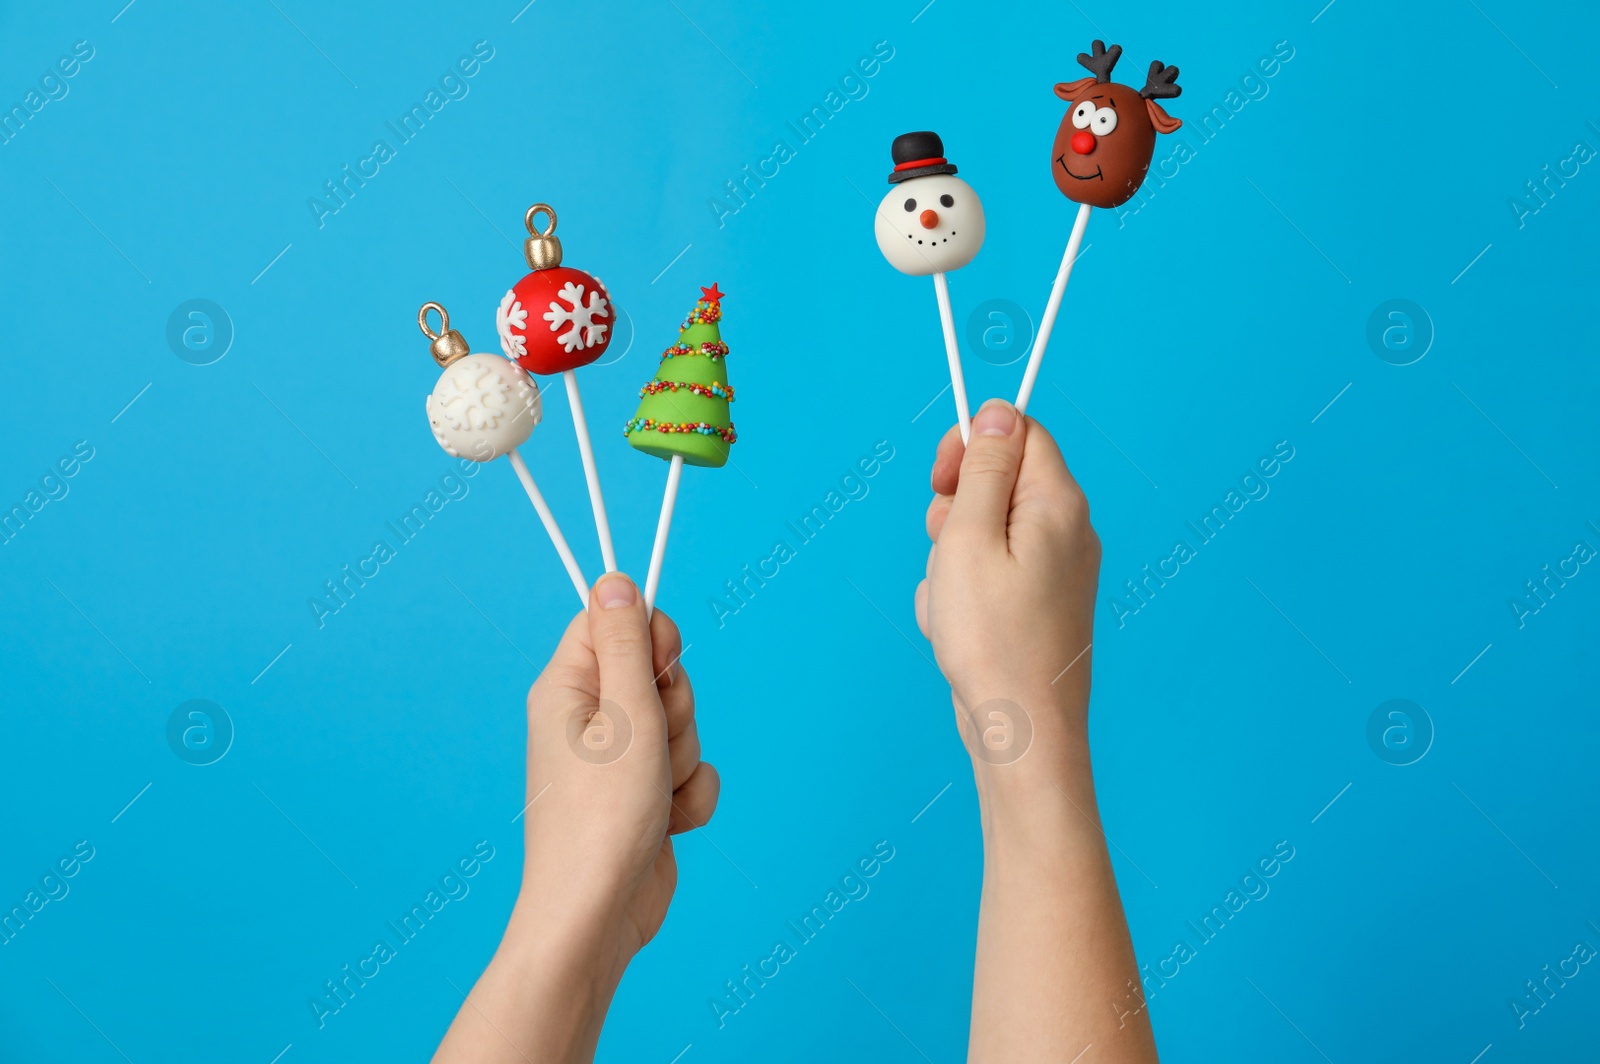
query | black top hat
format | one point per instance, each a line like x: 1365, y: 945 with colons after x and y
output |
x: 918, y: 155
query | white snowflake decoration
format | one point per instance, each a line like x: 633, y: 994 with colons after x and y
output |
x: 511, y: 315
x: 480, y: 399
x: 585, y: 331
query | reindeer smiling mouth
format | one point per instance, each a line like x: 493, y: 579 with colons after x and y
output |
x: 1099, y: 174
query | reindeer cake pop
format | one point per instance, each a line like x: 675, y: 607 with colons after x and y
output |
x: 931, y: 222
x: 1104, y: 145
x: 1100, y: 157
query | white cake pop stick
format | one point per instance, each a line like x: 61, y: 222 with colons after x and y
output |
x: 658, y: 553
x: 597, y: 501
x: 542, y: 508
x: 1053, y: 307
x: 957, y: 383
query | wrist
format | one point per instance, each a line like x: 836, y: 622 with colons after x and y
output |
x: 1034, y: 837
x: 572, y: 932
x: 1034, y: 776
x: 1023, y: 736
x: 561, y: 972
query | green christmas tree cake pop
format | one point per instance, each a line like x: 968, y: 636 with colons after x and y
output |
x: 683, y: 412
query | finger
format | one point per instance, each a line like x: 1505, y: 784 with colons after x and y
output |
x: 696, y: 800
x: 1044, y: 483
x: 666, y: 644
x: 988, y: 473
x: 1042, y: 455
x: 947, y: 463
x: 938, y: 513
x: 921, y: 606
x: 683, y: 753
x: 678, y: 701
x: 621, y: 638
x: 571, y: 668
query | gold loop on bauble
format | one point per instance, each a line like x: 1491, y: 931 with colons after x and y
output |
x: 448, y: 345
x: 422, y: 320
x: 541, y: 249
x: 537, y: 208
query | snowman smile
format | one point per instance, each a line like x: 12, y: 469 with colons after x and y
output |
x: 932, y: 240
x: 1099, y: 174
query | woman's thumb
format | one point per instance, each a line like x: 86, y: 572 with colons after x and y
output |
x: 988, y: 472
x: 620, y: 632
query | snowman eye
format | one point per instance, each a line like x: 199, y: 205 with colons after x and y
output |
x: 1105, y: 120
x: 911, y: 205
x: 947, y: 200
x: 1082, y: 113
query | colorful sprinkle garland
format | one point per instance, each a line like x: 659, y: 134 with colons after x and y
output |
x: 704, y: 313
x: 714, y: 390
x: 712, y: 349
x: 645, y: 424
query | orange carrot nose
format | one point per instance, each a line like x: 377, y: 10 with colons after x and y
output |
x: 929, y: 219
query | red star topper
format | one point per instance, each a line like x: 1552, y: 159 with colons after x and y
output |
x: 711, y: 295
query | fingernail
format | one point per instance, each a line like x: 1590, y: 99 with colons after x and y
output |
x: 996, y: 418
x: 615, y: 590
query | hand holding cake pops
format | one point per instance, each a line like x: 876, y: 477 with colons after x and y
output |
x: 931, y: 222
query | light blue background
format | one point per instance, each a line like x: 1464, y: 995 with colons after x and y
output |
x: 1221, y: 318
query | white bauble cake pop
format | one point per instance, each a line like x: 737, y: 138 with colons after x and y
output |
x: 931, y: 221
x: 484, y: 406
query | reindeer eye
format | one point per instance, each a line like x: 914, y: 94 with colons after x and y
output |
x: 1105, y: 120
x: 911, y: 205
x: 947, y: 201
x: 1082, y: 113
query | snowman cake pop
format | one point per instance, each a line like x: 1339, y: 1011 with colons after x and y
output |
x: 485, y: 406
x: 931, y: 222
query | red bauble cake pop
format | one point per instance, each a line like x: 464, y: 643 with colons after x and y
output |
x: 556, y: 318
x: 553, y: 321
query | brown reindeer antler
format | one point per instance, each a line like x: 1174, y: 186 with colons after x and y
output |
x: 1102, y: 61
x: 1162, y: 82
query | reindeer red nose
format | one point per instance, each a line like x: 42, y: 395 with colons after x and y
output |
x: 1083, y: 142
x: 929, y: 219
